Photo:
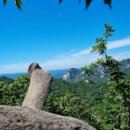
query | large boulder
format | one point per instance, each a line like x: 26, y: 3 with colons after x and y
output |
x: 39, y: 86
x: 20, y: 118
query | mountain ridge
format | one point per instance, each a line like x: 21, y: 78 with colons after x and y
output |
x: 74, y: 74
x: 54, y: 73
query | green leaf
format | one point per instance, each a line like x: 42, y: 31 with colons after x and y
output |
x: 108, y: 2
x: 19, y: 3
x: 5, y: 2
x: 88, y: 2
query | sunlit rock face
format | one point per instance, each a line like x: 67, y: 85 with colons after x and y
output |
x: 19, y: 118
x: 70, y: 75
x: 39, y: 86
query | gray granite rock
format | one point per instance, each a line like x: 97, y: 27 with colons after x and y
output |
x: 20, y: 118
x: 39, y: 86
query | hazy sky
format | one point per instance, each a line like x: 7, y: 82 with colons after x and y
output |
x: 59, y: 36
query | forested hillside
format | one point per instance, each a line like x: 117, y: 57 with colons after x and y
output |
x: 65, y: 98
x: 77, y: 99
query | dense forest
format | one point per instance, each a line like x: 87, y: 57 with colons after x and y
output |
x: 65, y: 98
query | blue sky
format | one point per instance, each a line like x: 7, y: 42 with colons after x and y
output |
x: 59, y: 36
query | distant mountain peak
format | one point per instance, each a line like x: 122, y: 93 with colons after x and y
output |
x: 76, y: 75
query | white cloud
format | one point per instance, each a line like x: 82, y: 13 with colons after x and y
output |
x: 14, y: 68
x: 82, y: 52
x: 123, y: 55
x: 71, y: 59
x: 119, y: 43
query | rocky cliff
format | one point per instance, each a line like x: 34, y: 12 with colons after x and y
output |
x: 76, y: 75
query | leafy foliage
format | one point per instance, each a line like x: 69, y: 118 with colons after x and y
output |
x: 89, y: 92
x: 65, y: 98
x: 5, y: 1
x: 75, y: 99
x: 6, y: 80
x: 67, y: 105
x: 13, y: 93
x: 88, y: 2
x: 116, y: 104
x: 108, y: 2
x: 17, y: 2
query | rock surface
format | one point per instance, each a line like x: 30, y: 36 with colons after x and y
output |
x: 20, y: 118
x: 71, y: 74
x: 39, y: 86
